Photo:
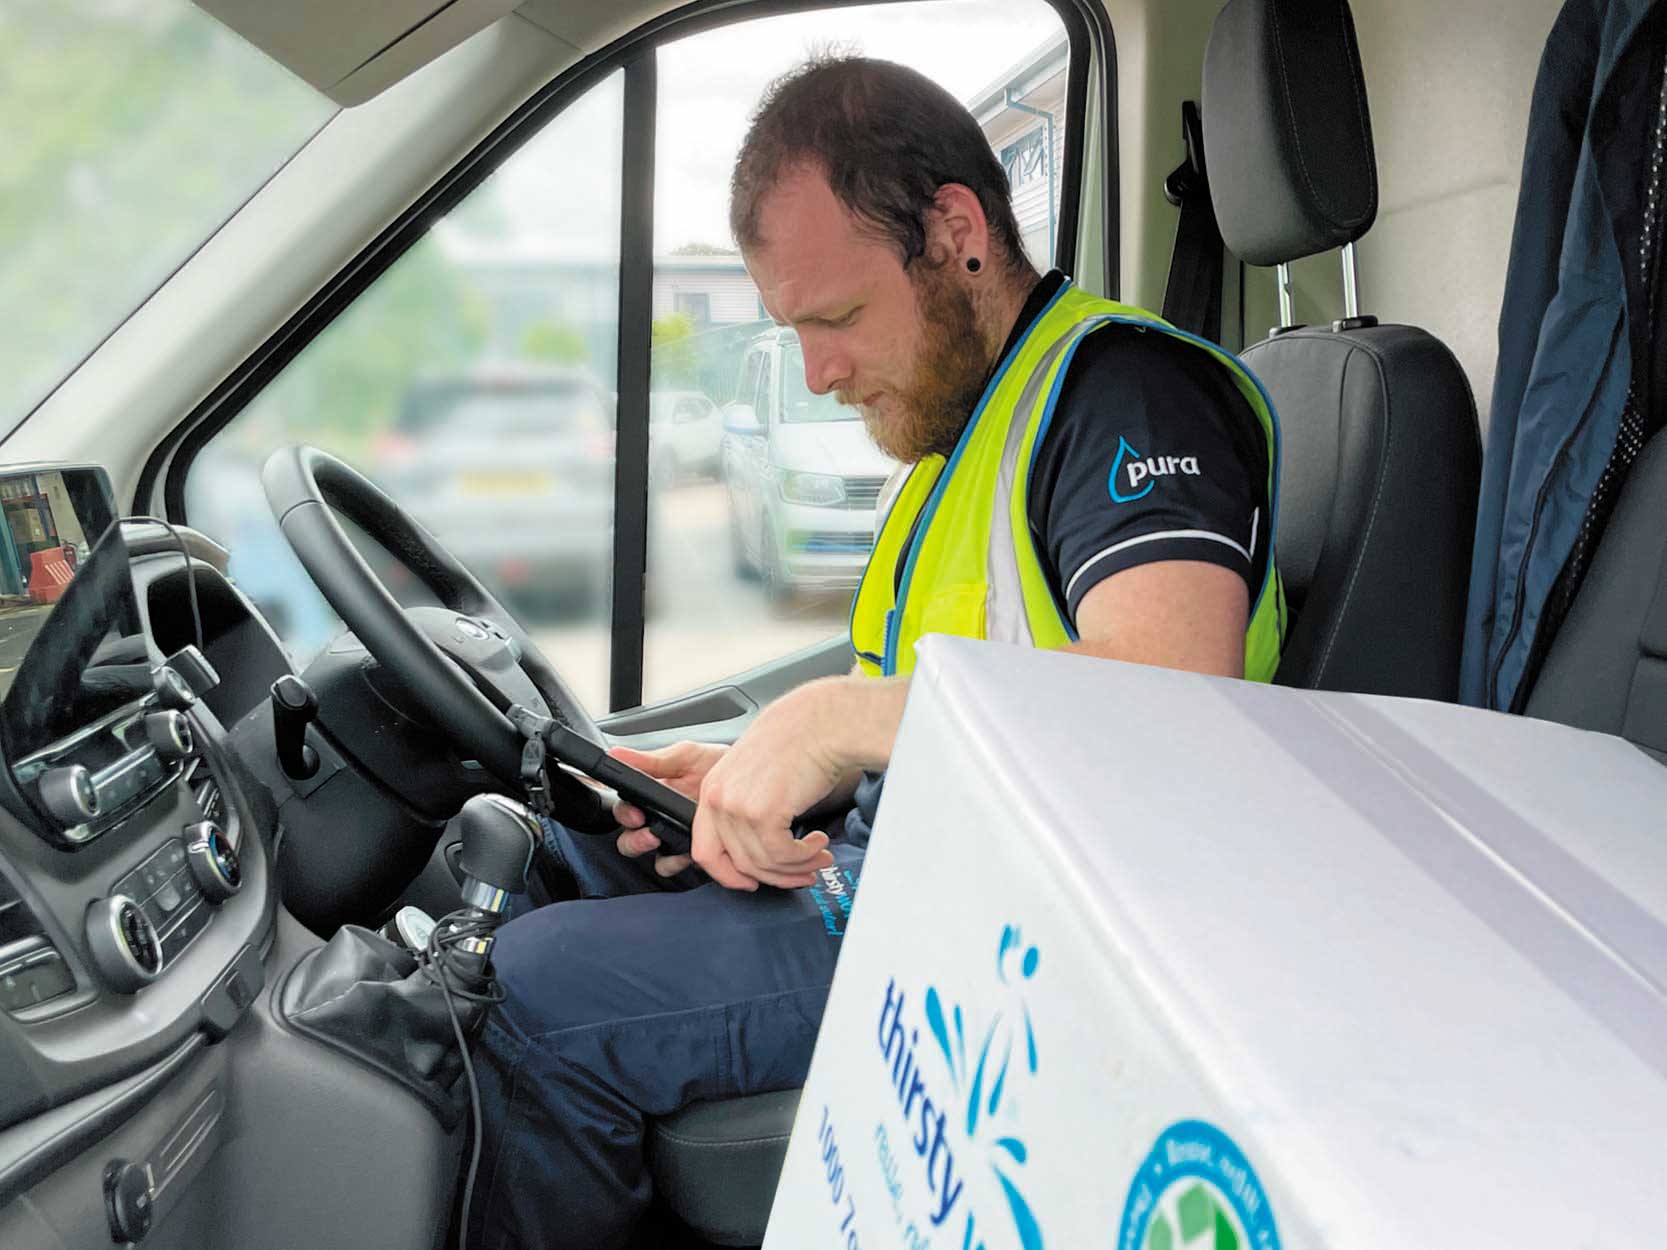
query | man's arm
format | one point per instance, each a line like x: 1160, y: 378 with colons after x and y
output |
x: 1175, y: 614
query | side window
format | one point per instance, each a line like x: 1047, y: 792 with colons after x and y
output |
x: 477, y: 380
x: 474, y: 382
x: 755, y: 544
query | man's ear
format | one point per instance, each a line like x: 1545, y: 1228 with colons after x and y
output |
x: 956, y: 229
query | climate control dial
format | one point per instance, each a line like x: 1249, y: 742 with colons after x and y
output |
x: 214, y: 863
x: 170, y: 733
x: 69, y: 794
x: 123, y: 943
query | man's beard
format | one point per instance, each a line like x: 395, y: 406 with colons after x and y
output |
x: 950, y: 376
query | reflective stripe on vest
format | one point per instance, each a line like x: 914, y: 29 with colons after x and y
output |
x: 972, y: 568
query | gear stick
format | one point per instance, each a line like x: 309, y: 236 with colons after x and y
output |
x: 499, y: 836
x: 408, y: 1013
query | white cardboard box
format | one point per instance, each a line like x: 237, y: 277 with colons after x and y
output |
x: 1149, y: 961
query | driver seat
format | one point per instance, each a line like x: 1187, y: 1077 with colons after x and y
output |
x: 715, y: 1164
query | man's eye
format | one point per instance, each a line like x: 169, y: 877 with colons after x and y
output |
x: 840, y: 323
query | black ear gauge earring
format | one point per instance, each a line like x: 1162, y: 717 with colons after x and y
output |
x: 974, y: 264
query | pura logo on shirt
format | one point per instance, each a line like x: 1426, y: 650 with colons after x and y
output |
x: 1130, y: 469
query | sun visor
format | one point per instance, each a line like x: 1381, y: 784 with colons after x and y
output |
x: 350, y: 52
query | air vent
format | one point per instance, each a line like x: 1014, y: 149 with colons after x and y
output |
x: 31, y: 970
x: 17, y: 922
x: 205, y: 792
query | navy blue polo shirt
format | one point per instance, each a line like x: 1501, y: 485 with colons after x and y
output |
x: 1152, y: 454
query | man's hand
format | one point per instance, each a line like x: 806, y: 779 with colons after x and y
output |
x: 810, y: 745
x: 682, y: 767
x: 780, y: 767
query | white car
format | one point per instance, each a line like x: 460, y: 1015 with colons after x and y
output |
x: 686, y: 435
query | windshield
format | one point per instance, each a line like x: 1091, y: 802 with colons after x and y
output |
x: 799, y: 405
x: 134, y: 128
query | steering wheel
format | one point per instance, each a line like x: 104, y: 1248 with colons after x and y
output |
x: 463, y: 664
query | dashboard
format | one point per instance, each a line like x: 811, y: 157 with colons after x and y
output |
x: 135, y: 892
x: 149, y: 1088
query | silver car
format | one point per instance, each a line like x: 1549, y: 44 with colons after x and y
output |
x: 513, y: 471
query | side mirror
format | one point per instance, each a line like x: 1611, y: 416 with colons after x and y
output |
x: 741, y: 419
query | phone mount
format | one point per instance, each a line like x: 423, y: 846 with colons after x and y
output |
x: 671, y: 816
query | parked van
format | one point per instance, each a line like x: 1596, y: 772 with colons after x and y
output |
x: 802, y: 475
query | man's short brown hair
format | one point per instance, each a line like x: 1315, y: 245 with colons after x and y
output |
x: 886, y: 137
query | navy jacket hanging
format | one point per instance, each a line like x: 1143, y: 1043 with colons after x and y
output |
x: 1574, y: 316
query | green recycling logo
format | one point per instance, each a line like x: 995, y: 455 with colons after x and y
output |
x: 1193, y: 1215
x: 1197, y: 1191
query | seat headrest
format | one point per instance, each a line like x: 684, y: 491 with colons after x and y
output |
x: 1287, y: 138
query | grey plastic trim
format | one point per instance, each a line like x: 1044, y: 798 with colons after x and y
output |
x: 40, y: 1146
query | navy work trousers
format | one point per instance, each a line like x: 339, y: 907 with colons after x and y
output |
x: 632, y: 1001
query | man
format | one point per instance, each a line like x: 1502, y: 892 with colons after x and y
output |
x: 1083, y: 477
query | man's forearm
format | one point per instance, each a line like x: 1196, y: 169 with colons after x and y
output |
x: 862, y: 716
x: 840, y: 797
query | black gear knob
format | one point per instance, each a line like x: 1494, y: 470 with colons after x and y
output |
x: 499, y: 835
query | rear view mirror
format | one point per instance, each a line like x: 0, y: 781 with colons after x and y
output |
x: 741, y: 419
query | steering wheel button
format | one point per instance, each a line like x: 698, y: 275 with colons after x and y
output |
x: 471, y: 629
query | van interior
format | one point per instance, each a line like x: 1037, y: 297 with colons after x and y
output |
x: 354, y: 238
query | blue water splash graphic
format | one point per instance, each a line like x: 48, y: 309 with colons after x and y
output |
x: 1001, y: 1081
x: 976, y: 1096
x: 1016, y: 963
x: 1014, y: 1147
x: 1024, y: 1220
x: 934, y: 1021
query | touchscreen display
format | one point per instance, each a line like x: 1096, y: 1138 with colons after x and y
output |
x: 52, y: 519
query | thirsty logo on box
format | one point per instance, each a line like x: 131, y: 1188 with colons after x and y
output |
x: 951, y: 1085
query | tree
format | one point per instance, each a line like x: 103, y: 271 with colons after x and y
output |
x: 421, y: 318
x: 675, y: 361
x: 132, y: 131
x: 554, y: 343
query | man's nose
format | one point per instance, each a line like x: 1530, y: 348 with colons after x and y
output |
x: 825, y: 369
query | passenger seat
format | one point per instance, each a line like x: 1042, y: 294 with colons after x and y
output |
x: 1607, y: 668
x: 1380, y: 456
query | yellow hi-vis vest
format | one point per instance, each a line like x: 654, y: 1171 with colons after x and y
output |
x: 972, y: 568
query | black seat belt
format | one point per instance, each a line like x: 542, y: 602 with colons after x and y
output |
x: 1192, y: 297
